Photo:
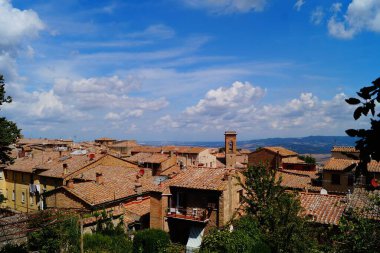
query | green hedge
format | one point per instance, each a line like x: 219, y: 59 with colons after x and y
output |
x: 150, y: 241
x: 99, y: 243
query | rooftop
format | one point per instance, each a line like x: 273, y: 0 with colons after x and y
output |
x: 148, y: 158
x: 349, y: 149
x: 201, y: 178
x: 119, y: 182
x: 324, y: 209
x: 281, y: 151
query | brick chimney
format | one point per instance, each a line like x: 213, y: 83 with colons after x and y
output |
x: 65, y: 168
x: 138, y: 188
x: 99, y: 178
x: 70, y: 183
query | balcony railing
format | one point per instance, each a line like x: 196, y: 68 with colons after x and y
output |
x: 189, y: 213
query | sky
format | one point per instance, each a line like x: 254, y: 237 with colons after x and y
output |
x: 186, y: 70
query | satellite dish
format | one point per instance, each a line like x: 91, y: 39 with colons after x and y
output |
x: 374, y: 183
x: 323, y: 192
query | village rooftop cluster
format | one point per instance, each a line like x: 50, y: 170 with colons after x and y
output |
x: 180, y: 189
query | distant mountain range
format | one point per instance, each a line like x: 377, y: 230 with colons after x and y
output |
x: 302, y: 145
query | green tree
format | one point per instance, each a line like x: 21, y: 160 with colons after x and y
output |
x: 54, y: 232
x: 368, y: 139
x: 276, y: 211
x: 150, y: 241
x: 245, y: 238
x: 307, y: 159
x: 357, y: 234
x: 99, y: 243
x: 8, y: 129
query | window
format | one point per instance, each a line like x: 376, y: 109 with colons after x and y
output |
x: 240, y: 192
x: 351, y: 180
x: 5, y: 175
x: 13, y: 195
x: 31, y: 200
x: 181, y: 199
x: 23, y: 197
x: 335, y: 179
x: 1, y: 174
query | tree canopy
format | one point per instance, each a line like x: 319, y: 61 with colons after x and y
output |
x: 368, y: 139
x: 8, y: 129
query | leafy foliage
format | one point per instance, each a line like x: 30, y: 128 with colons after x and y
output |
x: 9, y: 131
x: 97, y: 243
x: 14, y: 248
x: 150, y: 241
x: 307, y: 159
x: 357, y: 234
x: 276, y: 211
x: 246, y: 237
x: 368, y: 142
x: 54, y: 232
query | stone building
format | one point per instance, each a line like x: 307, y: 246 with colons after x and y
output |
x: 278, y: 158
x: 194, y: 201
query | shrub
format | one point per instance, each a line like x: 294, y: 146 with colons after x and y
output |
x: 14, y: 248
x: 150, y: 241
x: 97, y: 243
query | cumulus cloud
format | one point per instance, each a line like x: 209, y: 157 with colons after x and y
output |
x: 299, y: 4
x: 227, y: 6
x: 16, y: 24
x: 317, y: 15
x: 240, y: 107
x: 361, y: 15
x: 222, y: 99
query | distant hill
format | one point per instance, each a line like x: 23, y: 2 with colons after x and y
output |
x: 302, y: 145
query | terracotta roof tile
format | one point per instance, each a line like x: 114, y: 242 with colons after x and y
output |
x: 324, y: 209
x: 281, y: 150
x: 293, y: 160
x: 339, y: 164
x: 54, y: 168
x: 140, y: 208
x: 349, y: 149
x: 361, y: 202
x: 200, y: 178
x: 294, y: 181
x: 148, y: 158
x: 119, y: 182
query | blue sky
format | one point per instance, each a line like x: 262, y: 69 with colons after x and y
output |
x: 186, y: 69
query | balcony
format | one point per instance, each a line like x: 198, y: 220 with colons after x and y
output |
x: 189, y: 213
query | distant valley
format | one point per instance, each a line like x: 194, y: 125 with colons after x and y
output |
x: 302, y: 145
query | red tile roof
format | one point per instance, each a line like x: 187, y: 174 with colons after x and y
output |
x: 343, y: 164
x: 348, y: 149
x: 296, y: 181
x: 201, y: 178
x: 339, y: 164
x: 119, y: 183
x: 324, y: 209
x: 148, y: 158
x: 281, y: 150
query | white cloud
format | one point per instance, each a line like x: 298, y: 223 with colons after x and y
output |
x: 361, y: 15
x: 153, y: 32
x: 223, y: 99
x: 317, y: 15
x: 112, y: 116
x: 299, y: 4
x: 227, y: 6
x: 16, y: 24
x: 239, y: 107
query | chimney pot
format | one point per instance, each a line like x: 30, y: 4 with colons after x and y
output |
x: 99, y: 178
x: 65, y: 169
x: 70, y: 183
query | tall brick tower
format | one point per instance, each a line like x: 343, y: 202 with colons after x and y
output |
x: 230, y: 147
